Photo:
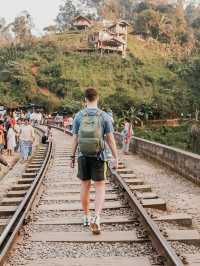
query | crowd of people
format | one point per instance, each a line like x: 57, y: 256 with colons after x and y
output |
x: 17, y: 133
x: 65, y: 121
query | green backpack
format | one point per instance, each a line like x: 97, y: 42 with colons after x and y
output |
x: 90, y: 138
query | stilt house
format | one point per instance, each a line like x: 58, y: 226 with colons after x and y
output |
x: 81, y: 23
x: 112, y: 39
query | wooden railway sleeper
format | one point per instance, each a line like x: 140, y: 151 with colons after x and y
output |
x: 164, y: 232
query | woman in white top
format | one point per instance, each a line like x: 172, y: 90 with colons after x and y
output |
x: 127, y: 134
x: 11, y: 140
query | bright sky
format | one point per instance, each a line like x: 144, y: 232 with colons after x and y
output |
x: 43, y: 11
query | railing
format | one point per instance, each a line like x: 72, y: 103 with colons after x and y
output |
x: 185, y: 163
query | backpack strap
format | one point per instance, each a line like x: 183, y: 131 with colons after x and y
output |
x: 99, y: 112
x: 85, y: 112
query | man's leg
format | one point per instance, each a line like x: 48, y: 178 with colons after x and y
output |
x: 99, y: 201
x: 100, y: 197
x: 99, y: 176
x: 26, y: 150
x: 85, y: 196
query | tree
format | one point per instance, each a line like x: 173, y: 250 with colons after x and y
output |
x: 148, y: 22
x: 196, y: 23
x: 192, y: 12
x: 127, y: 7
x: 2, y: 23
x: 22, y: 27
x: 5, y: 36
x: 111, y: 9
x: 162, y: 21
x: 67, y: 12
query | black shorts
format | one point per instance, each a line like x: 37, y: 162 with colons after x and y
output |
x: 91, y: 168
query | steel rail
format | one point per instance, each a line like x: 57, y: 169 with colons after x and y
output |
x: 159, y: 242
x: 12, y: 228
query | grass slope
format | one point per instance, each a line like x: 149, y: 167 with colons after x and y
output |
x: 52, y: 64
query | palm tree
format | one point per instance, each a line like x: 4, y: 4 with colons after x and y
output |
x: 132, y: 114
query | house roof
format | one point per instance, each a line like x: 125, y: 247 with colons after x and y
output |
x: 82, y: 17
x: 124, y: 22
x: 121, y: 22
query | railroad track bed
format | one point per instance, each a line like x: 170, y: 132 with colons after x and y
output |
x: 55, y: 235
x: 18, y: 190
x: 14, y: 174
x: 58, y: 216
x: 19, y: 195
x: 175, y: 226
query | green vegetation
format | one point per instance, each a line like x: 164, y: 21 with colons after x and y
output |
x: 51, y: 73
x: 157, y: 72
x: 178, y: 137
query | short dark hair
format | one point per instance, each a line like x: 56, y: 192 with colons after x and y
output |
x: 91, y: 94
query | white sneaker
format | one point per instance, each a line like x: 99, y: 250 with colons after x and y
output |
x: 86, y: 220
x: 95, y: 225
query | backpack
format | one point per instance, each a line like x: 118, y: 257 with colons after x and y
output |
x: 90, y: 136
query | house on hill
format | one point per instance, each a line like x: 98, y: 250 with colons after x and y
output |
x: 112, y: 39
x: 107, y: 42
x: 119, y: 28
x: 82, y: 23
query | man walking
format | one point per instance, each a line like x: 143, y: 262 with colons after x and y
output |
x: 91, y: 128
x: 27, y: 137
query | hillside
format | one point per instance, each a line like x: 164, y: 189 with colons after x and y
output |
x: 52, y: 73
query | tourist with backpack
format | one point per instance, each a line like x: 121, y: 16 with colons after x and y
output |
x: 91, y: 128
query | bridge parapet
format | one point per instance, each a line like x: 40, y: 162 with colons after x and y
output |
x: 185, y: 163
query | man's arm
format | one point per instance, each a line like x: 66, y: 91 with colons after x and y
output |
x: 112, y: 144
x: 74, y: 148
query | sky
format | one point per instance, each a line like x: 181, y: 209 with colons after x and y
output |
x: 43, y: 11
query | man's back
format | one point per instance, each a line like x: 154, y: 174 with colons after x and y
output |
x: 27, y: 133
x: 93, y: 126
x: 106, y: 125
x: 105, y: 121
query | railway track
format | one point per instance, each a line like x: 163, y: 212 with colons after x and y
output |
x: 55, y: 235
x: 16, y: 204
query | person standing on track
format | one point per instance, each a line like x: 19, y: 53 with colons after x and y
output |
x: 2, y: 138
x: 127, y: 134
x: 27, y: 137
x: 70, y: 122
x: 11, y: 140
x: 91, y: 128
